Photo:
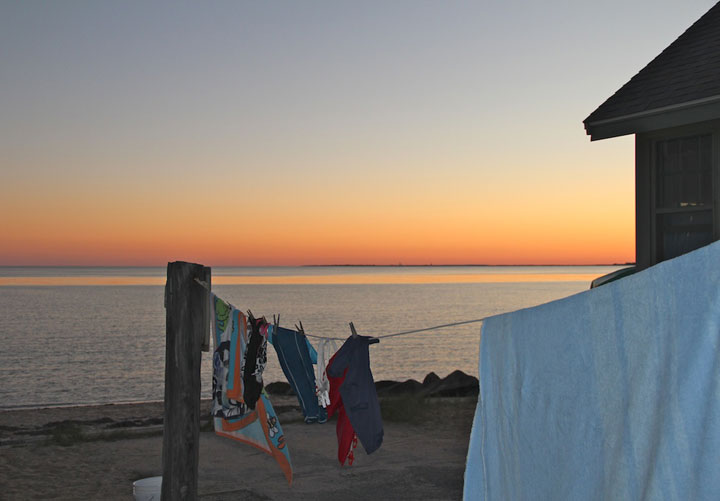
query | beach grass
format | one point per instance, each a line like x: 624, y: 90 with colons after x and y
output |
x: 66, y: 434
x: 413, y: 409
x: 69, y: 434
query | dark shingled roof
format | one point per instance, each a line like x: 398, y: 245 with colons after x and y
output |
x: 687, y: 70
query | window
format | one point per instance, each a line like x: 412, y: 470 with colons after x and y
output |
x: 683, y: 195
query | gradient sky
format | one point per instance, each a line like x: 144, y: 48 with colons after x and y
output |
x: 285, y: 133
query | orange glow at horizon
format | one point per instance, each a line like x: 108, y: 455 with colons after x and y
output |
x: 470, y: 235
x: 383, y: 246
x: 354, y: 279
x: 552, y: 217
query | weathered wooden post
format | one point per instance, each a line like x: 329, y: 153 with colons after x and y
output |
x: 186, y: 324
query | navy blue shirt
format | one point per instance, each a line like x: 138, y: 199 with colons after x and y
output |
x: 358, y: 390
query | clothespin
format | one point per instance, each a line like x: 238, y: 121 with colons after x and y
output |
x: 373, y: 340
x: 251, y: 317
x: 300, y: 329
x: 276, y: 324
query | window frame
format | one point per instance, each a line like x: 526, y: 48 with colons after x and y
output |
x: 647, y: 190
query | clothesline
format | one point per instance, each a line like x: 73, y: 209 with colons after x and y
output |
x: 402, y: 333
x: 239, y: 359
x: 414, y: 331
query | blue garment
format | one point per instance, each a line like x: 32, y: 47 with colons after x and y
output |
x: 296, y: 361
x: 358, y: 392
x: 613, y: 393
x: 310, y: 347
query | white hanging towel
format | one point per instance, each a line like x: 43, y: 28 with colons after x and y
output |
x: 613, y: 393
x: 326, y: 349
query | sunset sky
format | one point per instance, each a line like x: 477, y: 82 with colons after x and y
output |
x: 287, y: 133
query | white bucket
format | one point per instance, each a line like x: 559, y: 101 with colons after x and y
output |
x: 147, y: 489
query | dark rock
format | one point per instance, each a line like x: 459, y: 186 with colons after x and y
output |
x: 279, y: 409
x: 382, y: 386
x: 431, y: 378
x: 456, y: 384
x: 408, y: 387
x: 279, y: 388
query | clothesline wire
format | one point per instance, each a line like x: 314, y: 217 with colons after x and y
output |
x: 401, y: 333
x: 414, y: 331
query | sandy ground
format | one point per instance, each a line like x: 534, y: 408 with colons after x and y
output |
x: 106, y: 448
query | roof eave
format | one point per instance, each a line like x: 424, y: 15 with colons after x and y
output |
x: 676, y: 115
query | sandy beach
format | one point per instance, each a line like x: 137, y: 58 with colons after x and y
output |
x: 96, y: 452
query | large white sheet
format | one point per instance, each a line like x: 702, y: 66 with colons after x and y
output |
x: 612, y: 393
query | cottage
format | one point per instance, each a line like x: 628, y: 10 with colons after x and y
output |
x: 673, y: 107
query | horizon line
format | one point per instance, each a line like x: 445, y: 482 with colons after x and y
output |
x: 399, y: 265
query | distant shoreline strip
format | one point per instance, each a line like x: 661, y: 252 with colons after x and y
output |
x: 349, y: 279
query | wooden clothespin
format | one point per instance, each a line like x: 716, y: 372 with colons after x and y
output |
x: 276, y: 324
x: 300, y: 329
x: 373, y: 340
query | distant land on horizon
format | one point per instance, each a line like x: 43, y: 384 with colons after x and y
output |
x: 399, y: 265
x: 443, y: 265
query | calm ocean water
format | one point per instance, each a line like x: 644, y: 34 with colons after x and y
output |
x: 72, y: 336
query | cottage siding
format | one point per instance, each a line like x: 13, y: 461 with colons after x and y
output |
x: 643, y: 200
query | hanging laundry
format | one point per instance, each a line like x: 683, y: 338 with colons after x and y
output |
x: 260, y: 428
x: 608, y: 394
x: 296, y: 361
x: 230, y: 335
x: 231, y: 416
x: 358, y: 392
x: 254, y: 361
x: 326, y: 347
x: 347, y: 440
